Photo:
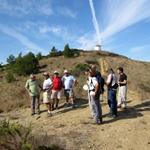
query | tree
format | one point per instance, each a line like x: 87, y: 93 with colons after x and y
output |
x: 26, y: 65
x: 11, y: 59
x: 67, y: 51
x: 39, y: 56
x: 54, y: 52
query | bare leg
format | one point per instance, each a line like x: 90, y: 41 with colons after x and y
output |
x: 57, y: 102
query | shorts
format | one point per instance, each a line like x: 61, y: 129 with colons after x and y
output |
x: 69, y: 93
x: 56, y: 94
x: 46, y: 97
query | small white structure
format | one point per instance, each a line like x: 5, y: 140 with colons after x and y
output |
x: 97, y: 48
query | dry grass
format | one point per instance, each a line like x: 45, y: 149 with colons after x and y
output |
x: 13, y: 95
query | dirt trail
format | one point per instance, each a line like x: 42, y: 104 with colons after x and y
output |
x: 75, y: 129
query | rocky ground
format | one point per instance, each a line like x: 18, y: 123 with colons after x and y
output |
x: 73, y: 129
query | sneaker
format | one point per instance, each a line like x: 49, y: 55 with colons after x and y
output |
x: 98, y: 122
x: 73, y: 106
x: 101, y: 120
x: 114, y: 116
x: 49, y: 114
x: 32, y: 114
x: 38, y: 113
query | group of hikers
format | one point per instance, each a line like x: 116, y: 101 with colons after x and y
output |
x: 95, y: 87
x: 52, y: 91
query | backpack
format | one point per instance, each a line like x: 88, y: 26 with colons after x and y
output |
x: 115, y: 86
x: 101, y: 82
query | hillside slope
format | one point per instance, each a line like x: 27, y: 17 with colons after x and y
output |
x: 13, y: 95
x: 72, y: 129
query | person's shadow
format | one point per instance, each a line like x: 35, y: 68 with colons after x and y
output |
x: 131, y: 112
x: 79, y: 104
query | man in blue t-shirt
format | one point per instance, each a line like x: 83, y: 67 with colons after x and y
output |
x: 69, y: 81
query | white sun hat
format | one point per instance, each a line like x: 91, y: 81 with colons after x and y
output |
x: 65, y: 71
x: 85, y: 87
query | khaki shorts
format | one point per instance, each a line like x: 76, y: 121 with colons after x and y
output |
x: 46, y: 97
x: 56, y: 94
x: 69, y: 93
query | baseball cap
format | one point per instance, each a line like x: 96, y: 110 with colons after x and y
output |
x: 65, y: 71
x: 56, y: 72
x: 32, y: 75
x: 45, y: 74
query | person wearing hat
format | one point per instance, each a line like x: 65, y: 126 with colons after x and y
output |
x: 32, y: 86
x: 56, y: 90
x: 94, y: 96
x: 47, y: 85
x: 68, y: 82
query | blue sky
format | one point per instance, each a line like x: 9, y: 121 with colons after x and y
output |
x: 121, y: 26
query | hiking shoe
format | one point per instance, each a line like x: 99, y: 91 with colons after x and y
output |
x: 49, y: 114
x: 38, y: 113
x: 32, y: 114
x: 74, y: 106
x: 114, y: 116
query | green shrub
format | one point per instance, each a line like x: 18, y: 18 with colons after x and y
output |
x: 14, y: 136
x: 91, y: 61
x: 39, y: 56
x: 10, y: 77
x: 54, y: 52
x: 26, y: 65
x: 79, y: 69
x: 68, y: 52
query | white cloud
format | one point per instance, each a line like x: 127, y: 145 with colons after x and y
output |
x: 25, y: 7
x: 87, y: 41
x: 118, y: 15
x: 139, y: 49
x: 21, y: 38
x: 45, y: 29
x: 122, y: 14
x: 64, y: 11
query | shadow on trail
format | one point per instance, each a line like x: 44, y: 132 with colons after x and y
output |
x: 130, y: 112
x: 79, y: 104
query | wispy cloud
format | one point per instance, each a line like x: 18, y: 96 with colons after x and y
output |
x: 118, y: 16
x: 139, y: 49
x: 65, y: 11
x: 87, y: 41
x: 95, y: 22
x: 46, y: 29
x: 21, y: 38
x: 25, y: 7
x: 122, y: 14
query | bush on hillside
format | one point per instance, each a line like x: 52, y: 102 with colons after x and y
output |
x: 91, y: 61
x: 39, y: 56
x: 68, y: 52
x: 10, y: 77
x: 54, y: 52
x: 80, y: 68
x: 14, y: 136
x: 25, y: 65
x: 11, y: 59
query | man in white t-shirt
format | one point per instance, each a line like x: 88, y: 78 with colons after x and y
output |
x: 68, y: 82
x: 94, y: 97
x: 47, y: 85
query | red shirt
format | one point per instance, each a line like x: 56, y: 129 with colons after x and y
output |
x: 57, y: 83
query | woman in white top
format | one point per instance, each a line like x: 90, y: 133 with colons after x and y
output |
x: 47, y: 85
